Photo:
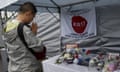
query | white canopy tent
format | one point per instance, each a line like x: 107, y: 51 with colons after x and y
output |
x: 48, y: 19
x: 55, y: 3
x: 43, y: 3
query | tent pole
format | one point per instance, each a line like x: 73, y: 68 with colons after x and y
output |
x: 2, y: 26
x: 1, y: 21
x: 59, y: 11
x: 6, y: 15
x: 35, y: 5
x: 1, y: 18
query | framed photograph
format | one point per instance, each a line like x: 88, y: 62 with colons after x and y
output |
x: 71, y: 48
x: 74, y: 45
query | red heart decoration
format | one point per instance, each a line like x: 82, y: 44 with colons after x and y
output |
x: 79, y: 24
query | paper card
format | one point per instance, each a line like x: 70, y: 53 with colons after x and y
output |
x: 71, y: 45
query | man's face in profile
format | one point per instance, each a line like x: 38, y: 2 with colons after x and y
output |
x: 29, y: 16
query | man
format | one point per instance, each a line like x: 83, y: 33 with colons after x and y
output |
x: 20, y: 58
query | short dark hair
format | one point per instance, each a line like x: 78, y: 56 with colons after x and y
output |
x: 28, y: 6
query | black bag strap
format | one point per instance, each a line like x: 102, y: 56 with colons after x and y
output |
x: 22, y: 38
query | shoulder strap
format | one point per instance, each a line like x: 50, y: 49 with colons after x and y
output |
x: 22, y: 38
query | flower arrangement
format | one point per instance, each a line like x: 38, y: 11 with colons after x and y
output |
x: 104, y: 62
x: 74, y: 54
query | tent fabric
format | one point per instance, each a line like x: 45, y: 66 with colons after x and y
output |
x: 49, y: 3
x: 49, y: 31
x: 4, y: 3
x: 42, y: 3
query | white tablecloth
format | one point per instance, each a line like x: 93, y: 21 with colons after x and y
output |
x: 50, y: 66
